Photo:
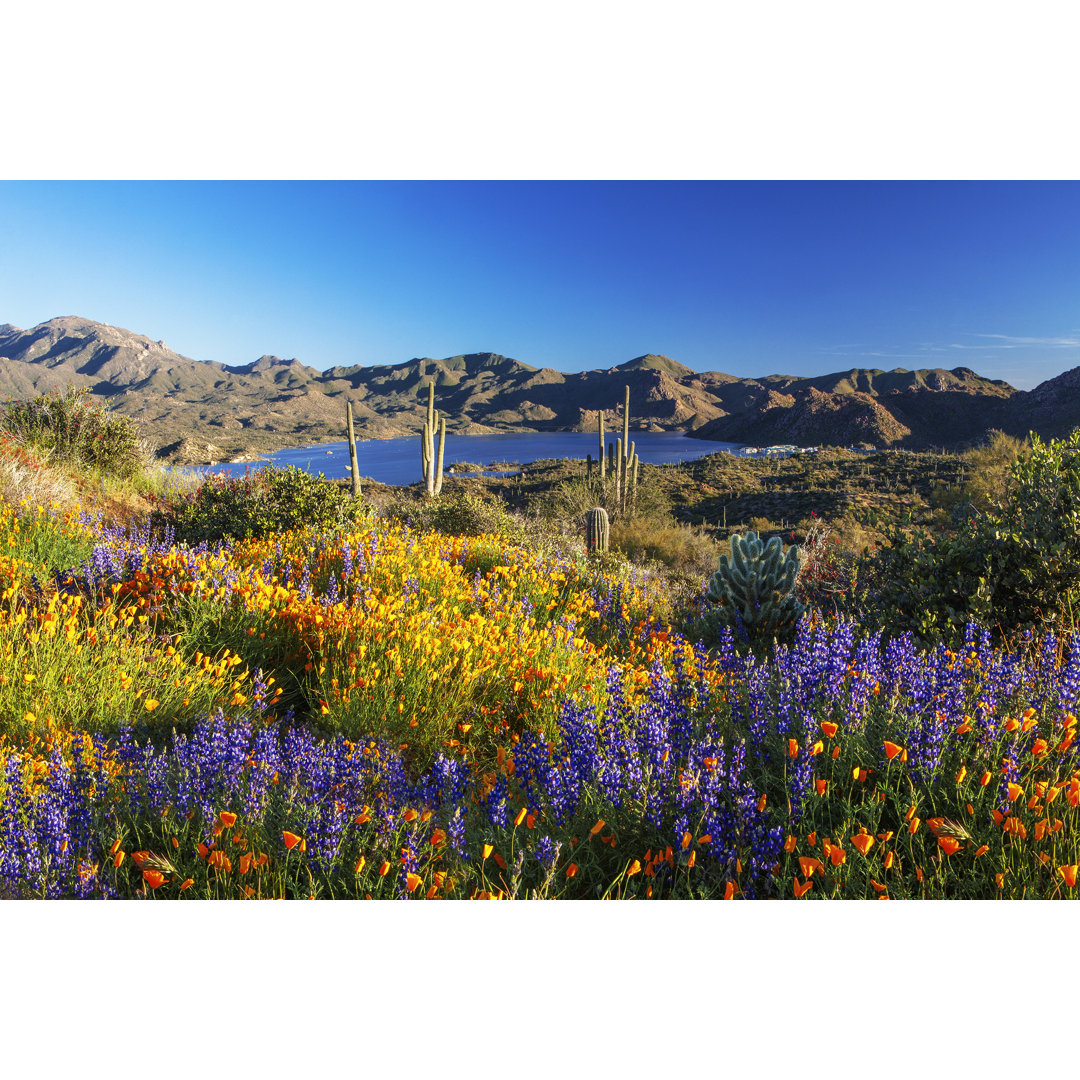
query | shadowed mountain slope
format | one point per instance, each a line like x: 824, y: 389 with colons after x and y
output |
x: 198, y: 409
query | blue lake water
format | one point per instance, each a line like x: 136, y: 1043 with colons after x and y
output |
x: 397, y: 461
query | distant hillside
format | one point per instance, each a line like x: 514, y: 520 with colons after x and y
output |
x: 198, y: 411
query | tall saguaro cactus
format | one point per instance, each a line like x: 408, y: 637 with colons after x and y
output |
x: 603, y: 459
x: 620, y: 459
x: 352, y: 451
x: 430, y: 459
x: 626, y: 461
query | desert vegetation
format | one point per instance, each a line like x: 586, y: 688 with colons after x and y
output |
x: 264, y: 687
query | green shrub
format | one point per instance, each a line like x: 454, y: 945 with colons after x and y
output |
x: 680, y: 549
x: 257, y: 505
x: 1014, y: 567
x: 77, y: 431
x: 458, y: 511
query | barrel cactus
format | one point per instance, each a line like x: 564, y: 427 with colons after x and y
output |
x: 597, y: 529
x: 755, y: 586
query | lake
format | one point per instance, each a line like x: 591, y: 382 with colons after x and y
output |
x: 397, y: 461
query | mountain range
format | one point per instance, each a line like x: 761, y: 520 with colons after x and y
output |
x: 196, y: 411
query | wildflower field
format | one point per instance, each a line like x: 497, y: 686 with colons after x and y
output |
x: 375, y: 712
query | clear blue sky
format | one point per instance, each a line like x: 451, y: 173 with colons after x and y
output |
x: 752, y: 279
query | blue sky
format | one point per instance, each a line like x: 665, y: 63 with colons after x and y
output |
x: 749, y: 278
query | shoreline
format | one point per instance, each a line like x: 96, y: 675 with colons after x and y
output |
x: 188, y: 448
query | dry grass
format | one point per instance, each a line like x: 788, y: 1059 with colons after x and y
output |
x: 23, y: 479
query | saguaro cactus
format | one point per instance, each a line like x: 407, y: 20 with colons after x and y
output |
x: 430, y: 459
x: 625, y: 460
x: 352, y: 451
x: 597, y: 529
x: 619, y: 460
x: 755, y: 584
x: 603, y: 460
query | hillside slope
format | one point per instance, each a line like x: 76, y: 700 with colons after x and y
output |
x: 199, y: 411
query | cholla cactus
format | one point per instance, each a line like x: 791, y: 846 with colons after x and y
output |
x: 597, y: 529
x: 755, y: 584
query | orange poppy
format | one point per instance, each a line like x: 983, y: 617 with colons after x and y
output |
x: 220, y: 861
x: 812, y: 838
x: 385, y: 868
x: 291, y: 840
x: 227, y: 819
x: 1069, y: 874
x: 203, y: 850
x: 359, y: 865
x: 761, y: 801
x: 633, y: 868
x: 530, y: 821
x: 891, y: 750
x: 984, y: 779
x: 890, y: 858
x: 693, y: 858
x: 410, y: 815
x: 115, y: 847
x: 961, y: 773
x: 817, y: 748
x: 245, y: 863
x: 820, y: 786
x: 1040, y: 746
x: 864, y: 842
x: 1015, y: 791
x: 153, y: 878
x: 686, y: 840
x: 949, y: 844
x: 981, y: 851
x: 878, y: 887
x: 1000, y: 879
x: 118, y: 858
x: 808, y: 865
x: 412, y: 882
x: 520, y: 816
x: 486, y: 851
x: 571, y: 870
x: 829, y: 728
x: 439, y: 836
x: 835, y: 752
x: 363, y: 819
x: 139, y: 857
x: 188, y: 882
x: 729, y: 890
x: 500, y: 861
x: 789, y: 845
x: 706, y: 839
x: 837, y: 855
x: 801, y: 890
x: 792, y: 748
